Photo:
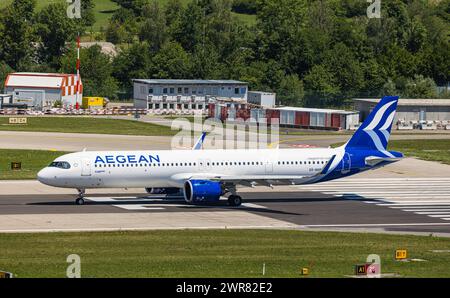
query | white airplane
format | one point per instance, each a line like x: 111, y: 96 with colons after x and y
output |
x: 205, y: 175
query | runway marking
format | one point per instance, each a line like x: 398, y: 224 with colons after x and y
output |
x: 421, y: 196
x: 432, y: 212
x: 138, y: 207
x: 415, y: 210
x: 382, y: 225
x: 149, y: 205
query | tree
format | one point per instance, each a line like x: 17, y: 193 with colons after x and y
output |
x: 171, y: 62
x: 54, y: 29
x: 321, y: 87
x: 291, y: 91
x: 87, y: 13
x: 132, y: 62
x: 134, y: 5
x: 345, y: 68
x: 5, y: 69
x: 205, y: 63
x: 420, y: 87
x: 190, y: 31
x: 16, y: 47
x: 122, y: 27
x: 154, y: 30
x: 96, y: 71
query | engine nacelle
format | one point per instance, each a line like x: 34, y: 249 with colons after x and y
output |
x: 162, y: 191
x: 197, y: 191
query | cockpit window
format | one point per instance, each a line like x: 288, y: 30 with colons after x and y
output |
x: 60, y: 164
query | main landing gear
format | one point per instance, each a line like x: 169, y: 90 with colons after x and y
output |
x: 80, y: 198
x: 234, y: 200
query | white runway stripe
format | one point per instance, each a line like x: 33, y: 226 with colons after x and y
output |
x: 421, y: 196
x: 432, y: 212
x: 425, y: 210
x: 158, y: 203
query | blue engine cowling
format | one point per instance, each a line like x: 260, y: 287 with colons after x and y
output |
x: 198, y: 191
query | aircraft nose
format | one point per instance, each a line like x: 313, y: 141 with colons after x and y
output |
x: 44, y: 176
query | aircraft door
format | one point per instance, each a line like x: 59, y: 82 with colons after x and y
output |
x: 86, y: 169
x: 269, y: 167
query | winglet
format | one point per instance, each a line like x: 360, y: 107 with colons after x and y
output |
x: 199, y: 144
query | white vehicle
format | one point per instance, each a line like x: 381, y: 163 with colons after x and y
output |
x: 205, y: 175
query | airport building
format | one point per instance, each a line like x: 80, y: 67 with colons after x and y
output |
x: 42, y: 90
x: 185, y: 95
x: 412, y: 113
x: 295, y: 117
x: 264, y: 99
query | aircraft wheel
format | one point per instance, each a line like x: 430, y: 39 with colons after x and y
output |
x: 79, y: 201
x: 234, y: 200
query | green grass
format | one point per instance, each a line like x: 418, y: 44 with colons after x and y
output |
x: 88, y: 125
x: 433, y: 150
x: 32, y: 161
x: 427, y: 149
x: 218, y: 253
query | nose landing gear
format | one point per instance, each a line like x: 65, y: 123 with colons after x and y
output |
x: 80, y: 198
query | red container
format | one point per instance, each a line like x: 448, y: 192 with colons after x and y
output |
x: 271, y: 115
x: 243, y: 113
x: 223, y: 113
x: 302, y: 118
x: 335, y: 120
x: 211, y: 110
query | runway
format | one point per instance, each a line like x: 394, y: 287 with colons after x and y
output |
x: 92, y: 142
x: 389, y: 205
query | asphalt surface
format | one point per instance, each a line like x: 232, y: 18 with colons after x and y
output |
x: 417, y: 205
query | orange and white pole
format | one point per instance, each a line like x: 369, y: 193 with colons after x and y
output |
x: 78, y: 71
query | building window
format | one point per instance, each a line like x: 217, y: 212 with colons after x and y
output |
x: 172, y: 90
x: 194, y: 90
x: 150, y: 91
x: 164, y: 90
x: 179, y: 90
x: 186, y: 90
x: 243, y: 90
x: 236, y: 90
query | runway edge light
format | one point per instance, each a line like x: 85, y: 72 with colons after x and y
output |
x: 401, y: 254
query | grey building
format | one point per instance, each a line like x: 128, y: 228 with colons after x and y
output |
x: 409, y: 110
x: 172, y: 95
x: 264, y: 99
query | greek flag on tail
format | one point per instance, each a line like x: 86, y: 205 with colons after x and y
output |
x: 374, y: 133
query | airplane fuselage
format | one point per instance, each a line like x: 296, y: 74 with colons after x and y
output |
x: 169, y: 168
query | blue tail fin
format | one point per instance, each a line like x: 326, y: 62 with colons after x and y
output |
x: 374, y: 133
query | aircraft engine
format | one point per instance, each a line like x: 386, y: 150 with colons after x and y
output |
x: 198, y: 191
